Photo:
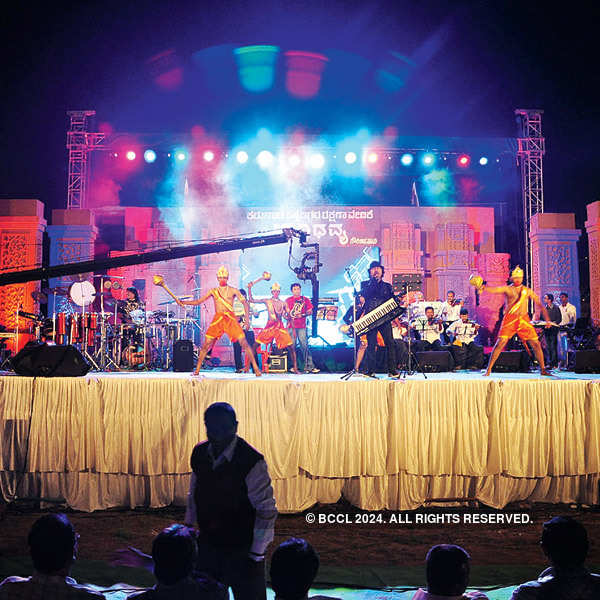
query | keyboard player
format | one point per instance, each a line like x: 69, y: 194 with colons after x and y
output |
x: 375, y: 292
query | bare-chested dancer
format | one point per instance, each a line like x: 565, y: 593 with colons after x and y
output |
x: 275, y: 329
x: 516, y: 318
x: 224, y: 320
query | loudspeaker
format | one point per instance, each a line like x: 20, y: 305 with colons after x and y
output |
x: 50, y: 361
x: 512, y: 361
x: 435, y: 362
x: 183, y: 356
x: 587, y: 361
x: 278, y: 363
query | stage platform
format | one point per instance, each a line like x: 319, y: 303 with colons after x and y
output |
x: 124, y: 439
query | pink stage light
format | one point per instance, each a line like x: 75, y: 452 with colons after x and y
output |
x: 304, y: 70
x: 464, y: 160
x: 208, y: 155
x: 372, y: 157
x: 130, y: 155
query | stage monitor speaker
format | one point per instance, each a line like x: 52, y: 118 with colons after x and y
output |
x: 278, y: 363
x: 587, y: 361
x: 50, y: 361
x: 512, y: 361
x: 183, y: 356
x: 435, y: 362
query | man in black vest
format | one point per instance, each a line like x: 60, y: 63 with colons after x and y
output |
x: 375, y: 292
x: 231, y: 499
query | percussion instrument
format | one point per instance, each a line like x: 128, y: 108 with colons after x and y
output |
x: 138, y: 316
x: 82, y: 293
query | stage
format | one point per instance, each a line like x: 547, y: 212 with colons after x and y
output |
x: 124, y: 439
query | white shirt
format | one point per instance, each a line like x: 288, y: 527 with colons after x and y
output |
x: 568, y: 313
x: 451, y: 313
x: 260, y: 495
x: 422, y: 594
x: 429, y: 332
x: 463, y: 332
x: 50, y: 587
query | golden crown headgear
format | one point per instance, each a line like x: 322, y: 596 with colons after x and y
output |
x: 222, y: 272
x: 275, y: 287
x: 517, y: 272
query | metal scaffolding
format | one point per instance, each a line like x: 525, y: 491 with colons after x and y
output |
x: 530, y: 155
x: 79, y: 143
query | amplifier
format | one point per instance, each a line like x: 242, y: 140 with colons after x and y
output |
x: 278, y: 363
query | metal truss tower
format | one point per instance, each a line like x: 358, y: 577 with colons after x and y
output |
x: 79, y: 143
x: 530, y: 155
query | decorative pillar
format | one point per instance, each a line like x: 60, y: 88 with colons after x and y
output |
x: 592, y: 226
x: 454, y: 261
x: 401, y: 251
x: 555, y: 265
x: 494, y: 268
x: 22, y: 226
x: 72, y: 237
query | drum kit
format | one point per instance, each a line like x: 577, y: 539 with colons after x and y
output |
x: 107, y: 335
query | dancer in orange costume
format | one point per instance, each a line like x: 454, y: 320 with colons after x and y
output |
x: 224, y: 320
x: 275, y: 330
x: 516, y: 319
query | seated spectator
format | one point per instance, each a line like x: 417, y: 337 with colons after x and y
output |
x: 294, y: 566
x: 53, y: 548
x: 173, y: 561
x: 565, y: 544
x: 448, y: 569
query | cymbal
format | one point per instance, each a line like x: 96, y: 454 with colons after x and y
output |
x: 39, y: 296
x: 98, y: 294
x: 59, y: 291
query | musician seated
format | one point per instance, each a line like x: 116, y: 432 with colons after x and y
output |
x: 400, y: 333
x: 429, y: 330
x: 466, y: 353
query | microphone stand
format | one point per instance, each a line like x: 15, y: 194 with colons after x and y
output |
x: 408, y: 370
x: 352, y: 371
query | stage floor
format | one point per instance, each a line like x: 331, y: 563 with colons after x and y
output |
x: 124, y: 439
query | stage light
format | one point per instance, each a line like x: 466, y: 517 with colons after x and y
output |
x: 294, y: 160
x: 208, y: 155
x: 372, y: 157
x: 149, y: 156
x: 264, y: 159
x: 316, y: 161
x: 242, y: 157
x: 130, y: 155
x: 483, y: 161
x: 464, y: 160
x: 428, y: 159
x: 350, y: 158
x: 181, y: 156
x: 407, y: 159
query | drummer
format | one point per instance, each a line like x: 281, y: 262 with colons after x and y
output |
x: 131, y: 304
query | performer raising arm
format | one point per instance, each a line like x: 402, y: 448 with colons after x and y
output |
x: 224, y: 320
x: 516, y: 319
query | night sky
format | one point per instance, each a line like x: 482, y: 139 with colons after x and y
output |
x: 472, y: 64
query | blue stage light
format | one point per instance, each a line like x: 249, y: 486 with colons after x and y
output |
x: 264, y: 159
x: 180, y: 156
x: 242, y: 157
x: 316, y: 161
x: 407, y: 159
x: 149, y: 156
x: 350, y: 158
x: 428, y: 159
x: 483, y: 161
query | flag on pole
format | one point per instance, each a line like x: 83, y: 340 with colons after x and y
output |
x: 414, y: 197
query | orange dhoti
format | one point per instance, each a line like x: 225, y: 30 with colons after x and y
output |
x: 519, y: 325
x: 225, y: 322
x: 275, y: 331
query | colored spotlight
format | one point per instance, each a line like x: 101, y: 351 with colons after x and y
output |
x: 483, y: 161
x: 264, y: 159
x: 350, y: 158
x: 130, y: 155
x: 407, y: 159
x: 149, y: 156
x: 464, y: 160
x: 316, y: 161
x: 208, y: 155
x: 428, y: 159
x: 181, y: 156
x: 372, y: 157
x: 242, y: 157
